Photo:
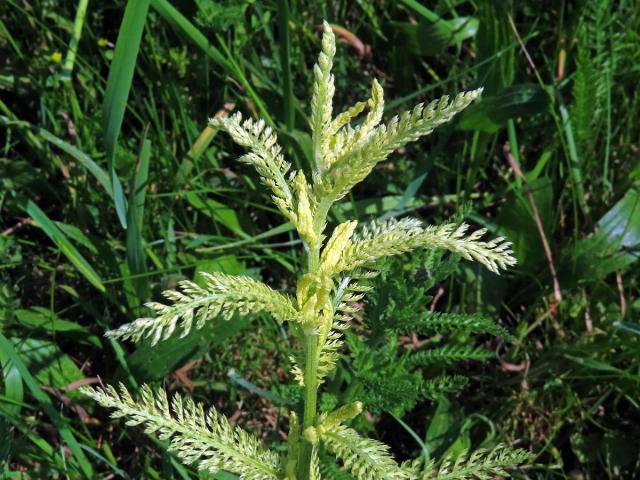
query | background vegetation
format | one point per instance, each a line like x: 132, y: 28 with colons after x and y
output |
x: 103, y: 113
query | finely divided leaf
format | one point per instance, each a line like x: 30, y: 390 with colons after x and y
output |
x: 196, y: 436
x: 265, y: 156
x: 394, y: 237
x: 354, y: 164
x: 364, y: 457
x: 223, y: 295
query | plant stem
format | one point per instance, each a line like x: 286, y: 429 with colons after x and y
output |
x: 310, y: 401
x: 311, y: 348
x: 311, y: 356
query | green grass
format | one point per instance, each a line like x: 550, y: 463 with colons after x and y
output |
x: 124, y: 142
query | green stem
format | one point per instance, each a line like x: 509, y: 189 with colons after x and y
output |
x: 75, y: 39
x: 311, y: 347
x: 310, y: 401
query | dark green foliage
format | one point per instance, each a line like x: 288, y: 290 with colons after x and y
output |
x: 434, y: 322
x: 448, y: 354
x: 220, y: 15
x: 442, y: 385
x: 390, y: 377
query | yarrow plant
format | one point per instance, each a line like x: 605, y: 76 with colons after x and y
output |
x: 327, y: 292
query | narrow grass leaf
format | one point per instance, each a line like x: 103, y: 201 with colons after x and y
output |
x: 180, y: 23
x: 135, y: 243
x: 14, y: 394
x: 121, y: 71
x: 26, y: 430
x: 253, y: 388
x: 98, y: 172
x: 628, y: 327
x: 119, y: 86
x: 575, y: 167
x: 47, y: 405
x: 492, y: 112
x: 83, y: 159
x: 39, y: 318
x: 61, y: 240
x: 285, y: 63
x: 184, y: 26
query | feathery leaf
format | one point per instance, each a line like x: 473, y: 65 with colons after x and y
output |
x: 456, y: 322
x: 449, y: 354
x: 393, y: 237
x: 315, y: 465
x: 479, y: 465
x: 222, y: 295
x: 355, y: 164
x: 443, y: 384
x: 322, y: 97
x: 381, y: 239
x: 494, y: 254
x: 364, y: 457
x: 195, y: 435
x: 265, y: 156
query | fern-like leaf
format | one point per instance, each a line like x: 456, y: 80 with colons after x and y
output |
x: 381, y: 239
x: 395, y: 237
x: 440, y: 322
x: 449, y: 354
x: 347, y: 294
x: 265, y: 156
x: 381, y: 141
x: 195, y: 435
x: 365, y: 458
x: 443, y: 384
x: 222, y: 295
x: 314, y: 472
x: 494, y: 254
x: 480, y: 465
x: 391, y: 392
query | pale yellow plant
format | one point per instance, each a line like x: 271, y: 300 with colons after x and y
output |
x: 324, y: 298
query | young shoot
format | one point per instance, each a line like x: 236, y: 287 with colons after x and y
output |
x: 327, y: 293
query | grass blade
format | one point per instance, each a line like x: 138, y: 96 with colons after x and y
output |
x: 47, y: 405
x: 61, y: 240
x: 180, y: 23
x: 99, y: 173
x: 184, y: 26
x: 575, y: 167
x: 135, y: 243
x: 285, y: 64
x: 121, y: 71
x: 14, y: 393
x: 119, y: 86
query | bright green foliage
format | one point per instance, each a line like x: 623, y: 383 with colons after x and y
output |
x: 597, y: 56
x: 442, y: 385
x: 365, y: 458
x: 194, y: 434
x: 223, y: 295
x: 479, y: 465
x: 339, y: 270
